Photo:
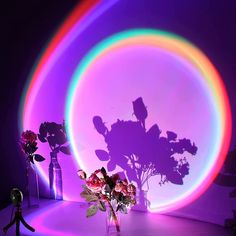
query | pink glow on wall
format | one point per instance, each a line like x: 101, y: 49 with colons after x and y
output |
x: 181, y: 88
x: 183, y: 93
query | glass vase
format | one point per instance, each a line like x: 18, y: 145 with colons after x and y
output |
x: 32, y: 187
x: 55, y: 178
x: 112, y: 222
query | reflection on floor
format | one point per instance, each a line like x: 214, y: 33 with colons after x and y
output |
x: 54, y: 218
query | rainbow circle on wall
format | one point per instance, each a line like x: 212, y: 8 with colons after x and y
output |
x: 176, y: 50
x: 179, y: 49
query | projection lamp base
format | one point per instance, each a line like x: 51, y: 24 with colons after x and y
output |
x: 17, y: 198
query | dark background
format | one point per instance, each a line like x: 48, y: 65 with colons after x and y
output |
x: 27, y: 26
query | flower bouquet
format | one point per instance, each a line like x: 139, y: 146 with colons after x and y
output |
x: 104, y: 191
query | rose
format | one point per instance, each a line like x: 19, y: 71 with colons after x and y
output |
x: 119, y: 186
x: 124, y: 190
x: 28, y: 137
x: 94, y: 183
x: 28, y: 142
x: 99, y: 174
x: 131, y: 189
x: 124, y: 187
x: 28, y: 146
x: 81, y: 174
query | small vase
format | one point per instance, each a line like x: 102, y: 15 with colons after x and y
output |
x: 32, y: 187
x: 55, y: 178
x: 112, y: 222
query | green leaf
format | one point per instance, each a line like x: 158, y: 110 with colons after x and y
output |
x: 91, y: 198
x: 92, y: 210
x: 84, y: 187
x: 84, y: 194
x: 38, y: 158
x: 101, y: 206
x: 31, y: 158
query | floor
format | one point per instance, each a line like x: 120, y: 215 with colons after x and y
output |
x: 54, y: 218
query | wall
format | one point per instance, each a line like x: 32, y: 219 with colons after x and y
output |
x: 208, y: 25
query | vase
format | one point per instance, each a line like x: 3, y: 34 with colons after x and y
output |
x: 32, y: 187
x: 142, y: 202
x: 55, y: 178
x: 112, y: 222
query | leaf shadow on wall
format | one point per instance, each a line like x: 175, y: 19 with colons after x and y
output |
x: 143, y: 153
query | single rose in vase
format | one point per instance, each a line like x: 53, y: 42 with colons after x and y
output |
x: 28, y: 144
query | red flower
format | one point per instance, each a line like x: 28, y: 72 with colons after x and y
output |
x: 131, y: 189
x: 124, y: 190
x: 99, y: 174
x: 119, y: 186
x: 94, y: 183
x: 28, y: 142
x: 28, y: 137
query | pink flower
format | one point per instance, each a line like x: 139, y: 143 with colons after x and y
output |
x: 125, y: 182
x: 99, y: 174
x: 81, y: 174
x: 124, y: 190
x: 119, y: 186
x: 94, y: 183
x: 131, y: 189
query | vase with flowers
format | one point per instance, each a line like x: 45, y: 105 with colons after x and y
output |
x: 28, y: 144
x: 107, y: 193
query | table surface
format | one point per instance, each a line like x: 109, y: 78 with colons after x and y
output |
x: 57, y: 218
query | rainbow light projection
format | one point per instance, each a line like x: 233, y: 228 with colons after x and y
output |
x: 44, y: 98
x: 93, y: 68
x: 181, y: 88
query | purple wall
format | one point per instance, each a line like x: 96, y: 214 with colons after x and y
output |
x: 210, y: 26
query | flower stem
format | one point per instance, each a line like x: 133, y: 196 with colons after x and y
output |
x: 114, y: 216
